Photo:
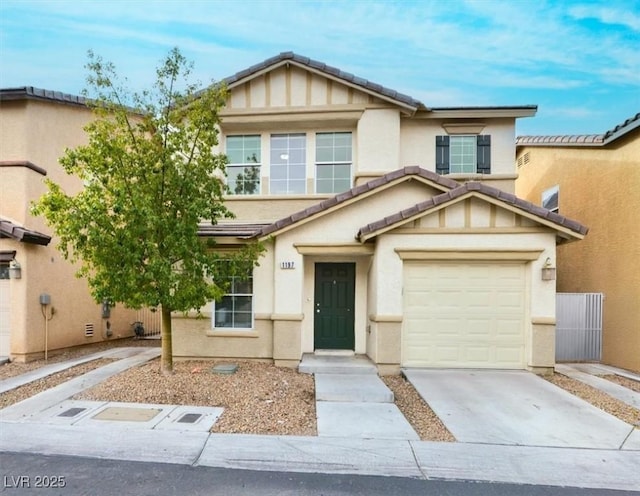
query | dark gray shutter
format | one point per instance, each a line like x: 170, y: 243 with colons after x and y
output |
x: 442, y: 154
x: 484, y: 154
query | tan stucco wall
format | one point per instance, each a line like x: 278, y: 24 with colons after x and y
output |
x: 39, y: 132
x: 192, y: 338
x: 468, y: 225
x: 289, y: 99
x: 418, y: 147
x: 599, y: 188
x: 540, y: 294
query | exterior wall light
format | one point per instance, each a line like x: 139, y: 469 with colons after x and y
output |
x: 15, y: 270
x: 548, y: 271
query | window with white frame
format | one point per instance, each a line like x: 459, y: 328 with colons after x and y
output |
x: 288, y: 169
x: 235, y: 309
x: 243, y: 169
x: 462, y: 154
x: 333, y: 162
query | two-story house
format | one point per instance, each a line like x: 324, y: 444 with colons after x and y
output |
x: 595, y: 178
x: 47, y: 307
x: 391, y: 229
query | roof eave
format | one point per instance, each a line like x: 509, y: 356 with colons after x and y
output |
x: 406, y: 216
x: 480, y: 112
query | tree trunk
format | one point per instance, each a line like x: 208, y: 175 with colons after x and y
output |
x: 166, y: 361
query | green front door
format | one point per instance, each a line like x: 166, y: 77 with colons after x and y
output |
x: 334, y: 306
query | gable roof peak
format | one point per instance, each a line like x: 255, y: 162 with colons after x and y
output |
x: 334, y: 72
x: 404, y: 173
x: 536, y: 211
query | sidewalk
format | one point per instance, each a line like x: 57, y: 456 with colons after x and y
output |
x: 604, y: 469
x: 21, y: 430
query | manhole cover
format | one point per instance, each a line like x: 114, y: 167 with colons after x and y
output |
x: 225, y: 368
x: 71, y: 412
x: 189, y: 418
x: 127, y: 414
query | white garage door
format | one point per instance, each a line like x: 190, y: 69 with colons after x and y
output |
x: 464, y: 315
x: 5, y: 317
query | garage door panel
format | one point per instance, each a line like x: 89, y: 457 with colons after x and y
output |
x: 478, y: 327
x: 477, y: 354
x: 464, y: 315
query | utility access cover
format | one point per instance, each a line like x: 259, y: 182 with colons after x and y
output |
x: 127, y: 414
x: 72, y: 412
x: 225, y: 368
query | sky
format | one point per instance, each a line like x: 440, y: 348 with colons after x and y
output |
x: 578, y: 60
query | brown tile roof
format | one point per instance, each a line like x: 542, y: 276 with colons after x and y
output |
x: 461, y: 190
x: 32, y: 93
x: 445, y: 182
x: 333, y: 71
x: 237, y: 230
x: 583, y: 139
x: 10, y: 230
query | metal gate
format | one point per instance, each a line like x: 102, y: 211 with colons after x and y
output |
x: 151, y: 319
x: 579, y: 326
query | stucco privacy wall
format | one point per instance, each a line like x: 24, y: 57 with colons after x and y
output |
x: 598, y: 186
x: 39, y: 132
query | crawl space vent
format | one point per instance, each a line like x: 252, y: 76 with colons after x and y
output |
x: 88, y: 330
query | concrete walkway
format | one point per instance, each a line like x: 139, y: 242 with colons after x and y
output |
x: 54, y: 368
x: 352, y: 401
x: 607, y: 469
x: 617, y: 391
x: 354, y: 454
x: 51, y: 397
x: 516, y: 408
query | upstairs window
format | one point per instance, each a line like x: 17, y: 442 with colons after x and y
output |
x: 550, y: 199
x: 333, y: 162
x: 243, y: 169
x: 288, y: 164
x: 463, y: 154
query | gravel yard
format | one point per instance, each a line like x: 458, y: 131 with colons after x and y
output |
x: 260, y: 398
x: 426, y: 424
x: 623, y: 381
x: 598, y: 398
x: 35, y: 387
x: 16, y: 368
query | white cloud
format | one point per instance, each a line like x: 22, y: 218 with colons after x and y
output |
x: 607, y: 15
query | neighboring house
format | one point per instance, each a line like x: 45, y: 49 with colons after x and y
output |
x: 595, y: 178
x: 35, y: 128
x: 391, y: 229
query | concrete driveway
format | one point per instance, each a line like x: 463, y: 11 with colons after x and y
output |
x: 515, y: 407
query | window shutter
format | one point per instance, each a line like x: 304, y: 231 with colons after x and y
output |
x: 484, y: 154
x: 442, y: 154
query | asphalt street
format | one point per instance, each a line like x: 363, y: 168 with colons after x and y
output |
x: 64, y: 475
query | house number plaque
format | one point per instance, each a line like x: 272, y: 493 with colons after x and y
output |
x: 287, y: 265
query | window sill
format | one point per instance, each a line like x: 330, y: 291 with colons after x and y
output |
x: 261, y: 197
x: 478, y: 177
x: 226, y: 333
